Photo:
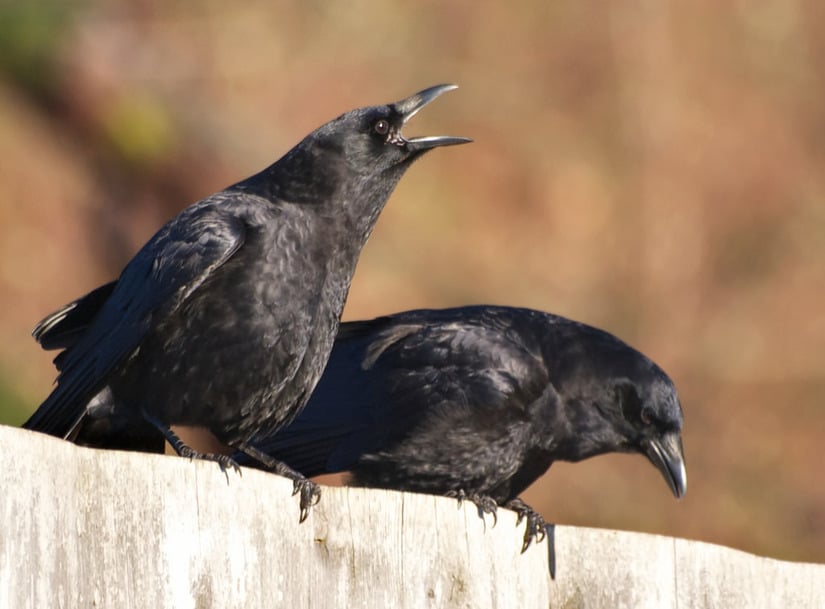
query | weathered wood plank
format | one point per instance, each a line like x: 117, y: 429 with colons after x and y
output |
x: 85, y: 528
x: 639, y: 570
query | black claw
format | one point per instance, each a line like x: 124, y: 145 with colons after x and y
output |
x: 309, y: 491
x: 223, y: 461
x: 186, y: 451
x: 459, y: 495
x: 534, y: 528
x: 310, y: 494
x: 528, y: 539
x: 484, y: 503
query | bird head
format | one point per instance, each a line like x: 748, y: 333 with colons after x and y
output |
x: 651, y: 422
x: 358, y: 157
x: 617, y: 400
x: 369, y: 140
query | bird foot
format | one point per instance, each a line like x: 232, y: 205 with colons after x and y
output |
x: 484, y: 503
x: 184, y: 450
x: 309, y: 492
x: 535, y: 527
x: 224, y: 461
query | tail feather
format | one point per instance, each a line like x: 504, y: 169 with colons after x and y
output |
x: 63, y: 328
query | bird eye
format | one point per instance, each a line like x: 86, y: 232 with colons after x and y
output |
x: 382, y: 127
x: 646, y: 415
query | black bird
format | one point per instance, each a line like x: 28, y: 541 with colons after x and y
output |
x: 226, y: 317
x: 478, y: 402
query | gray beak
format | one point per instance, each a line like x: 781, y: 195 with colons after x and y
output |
x: 410, y: 106
x: 667, y: 454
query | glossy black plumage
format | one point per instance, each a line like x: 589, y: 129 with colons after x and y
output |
x: 479, y: 402
x: 226, y: 317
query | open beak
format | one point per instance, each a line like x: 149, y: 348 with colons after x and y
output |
x: 667, y: 454
x: 410, y: 106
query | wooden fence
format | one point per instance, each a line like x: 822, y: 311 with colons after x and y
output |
x: 84, y: 528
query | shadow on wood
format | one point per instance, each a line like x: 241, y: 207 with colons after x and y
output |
x: 86, y: 528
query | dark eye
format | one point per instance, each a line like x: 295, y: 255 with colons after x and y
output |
x: 646, y: 415
x: 382, y: 127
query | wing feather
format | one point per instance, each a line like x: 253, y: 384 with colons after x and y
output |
x: 389, y: 375
x: 163, y: 275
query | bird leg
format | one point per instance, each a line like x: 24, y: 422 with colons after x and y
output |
x: 484, y: 503
x: 535, y: 527
x: 310, y: 493
x: 184, y: 450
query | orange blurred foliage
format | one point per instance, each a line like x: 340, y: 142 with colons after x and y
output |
x: 655, y: 169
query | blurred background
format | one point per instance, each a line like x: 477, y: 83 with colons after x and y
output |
x: 655, y: 169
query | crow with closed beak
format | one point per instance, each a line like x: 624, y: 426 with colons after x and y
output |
x: 226, y: 317
x: 477, y: 403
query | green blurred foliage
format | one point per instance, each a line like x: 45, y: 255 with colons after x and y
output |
x: 31, y: 33
x: 138, y: 128
x: 14, y: 409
